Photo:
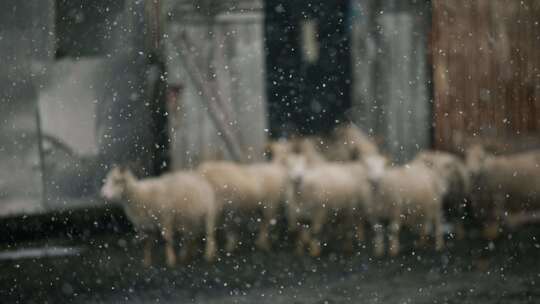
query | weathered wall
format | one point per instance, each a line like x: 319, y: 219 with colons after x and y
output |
x: 24, y: 45
x: 391, y: 86
x: 68, y: 103
x: 95, y: 104
x: 232, y: 49
x: 94, y: 111
x: 486, y: 73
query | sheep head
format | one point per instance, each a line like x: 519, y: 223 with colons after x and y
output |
x: 308, y: 148
x: 375, y: 165
x: 351, y: 143
x: 448, y: 167
x: 296, y: 166
x: 116, y: 183
x: 475, y: 156
x: 277, y: 151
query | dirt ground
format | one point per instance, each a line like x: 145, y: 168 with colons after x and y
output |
x: 107, y: 269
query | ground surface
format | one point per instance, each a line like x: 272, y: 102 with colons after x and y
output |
x: 107, y: 269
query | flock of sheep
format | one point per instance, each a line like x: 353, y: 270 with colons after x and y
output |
x: 339, y: 180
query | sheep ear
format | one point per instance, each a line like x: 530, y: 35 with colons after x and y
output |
x: 115, y: 166
x: 268, y: 150
x: 123, y: 168
x: 296, y: 145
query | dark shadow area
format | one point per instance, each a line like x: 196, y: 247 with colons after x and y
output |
x: 308, y: 64
x: 84, y: 28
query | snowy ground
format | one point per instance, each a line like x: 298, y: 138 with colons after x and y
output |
x: 106, y: 269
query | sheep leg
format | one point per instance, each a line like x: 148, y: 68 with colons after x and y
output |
x: 231, y: 234
x: 290, y: 210
x: 210, y: 251
x: 424, y: 232
x: 378, y: 243
x: 302, y: 239
x: 520, y: 218
x: 292, y: 218
x: 263, y: 242
x: 439, y: 234
x: 183, y: 245
x: 168, y: 235
x: 231, y: 242
x: 317, y: 225
x: 188, y: 246
x: 360, y: 231
x: 491, y: 230
x: 346, y: 226
x: 147, y: 250
x: 393, y: 236
x: 295, y: 230
x: 460, y: 230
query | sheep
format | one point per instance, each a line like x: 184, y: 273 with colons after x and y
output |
x: 455, y: 172
x: 307, y: 147
x: 409, y: 195
x: 177, y: 202
x: 247, y: 189
x: 346, y: 142
x: 303, y: 157
x: 278, y: 150
x: 322, y: 190
x: 375, y: 162
x: 505, y: 188
x: 350, y: 142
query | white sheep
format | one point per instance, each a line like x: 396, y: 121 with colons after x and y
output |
x: 346, y: 142
x: 306, y: 146
x: 455, y: 172
x: 277, y: 151
x: 505, y: 188
x: 245, y: 191
x: 409, y: 195
x: 323, y: 190
x: 181, y: 202
x: 350, y: 142
x: 374, y: 162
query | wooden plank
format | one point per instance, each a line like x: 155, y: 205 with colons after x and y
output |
x: 492, y: 49
x: 230, y: 55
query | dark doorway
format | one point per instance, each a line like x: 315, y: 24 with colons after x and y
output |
x: 308, y: 65
x: 83, y: 28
